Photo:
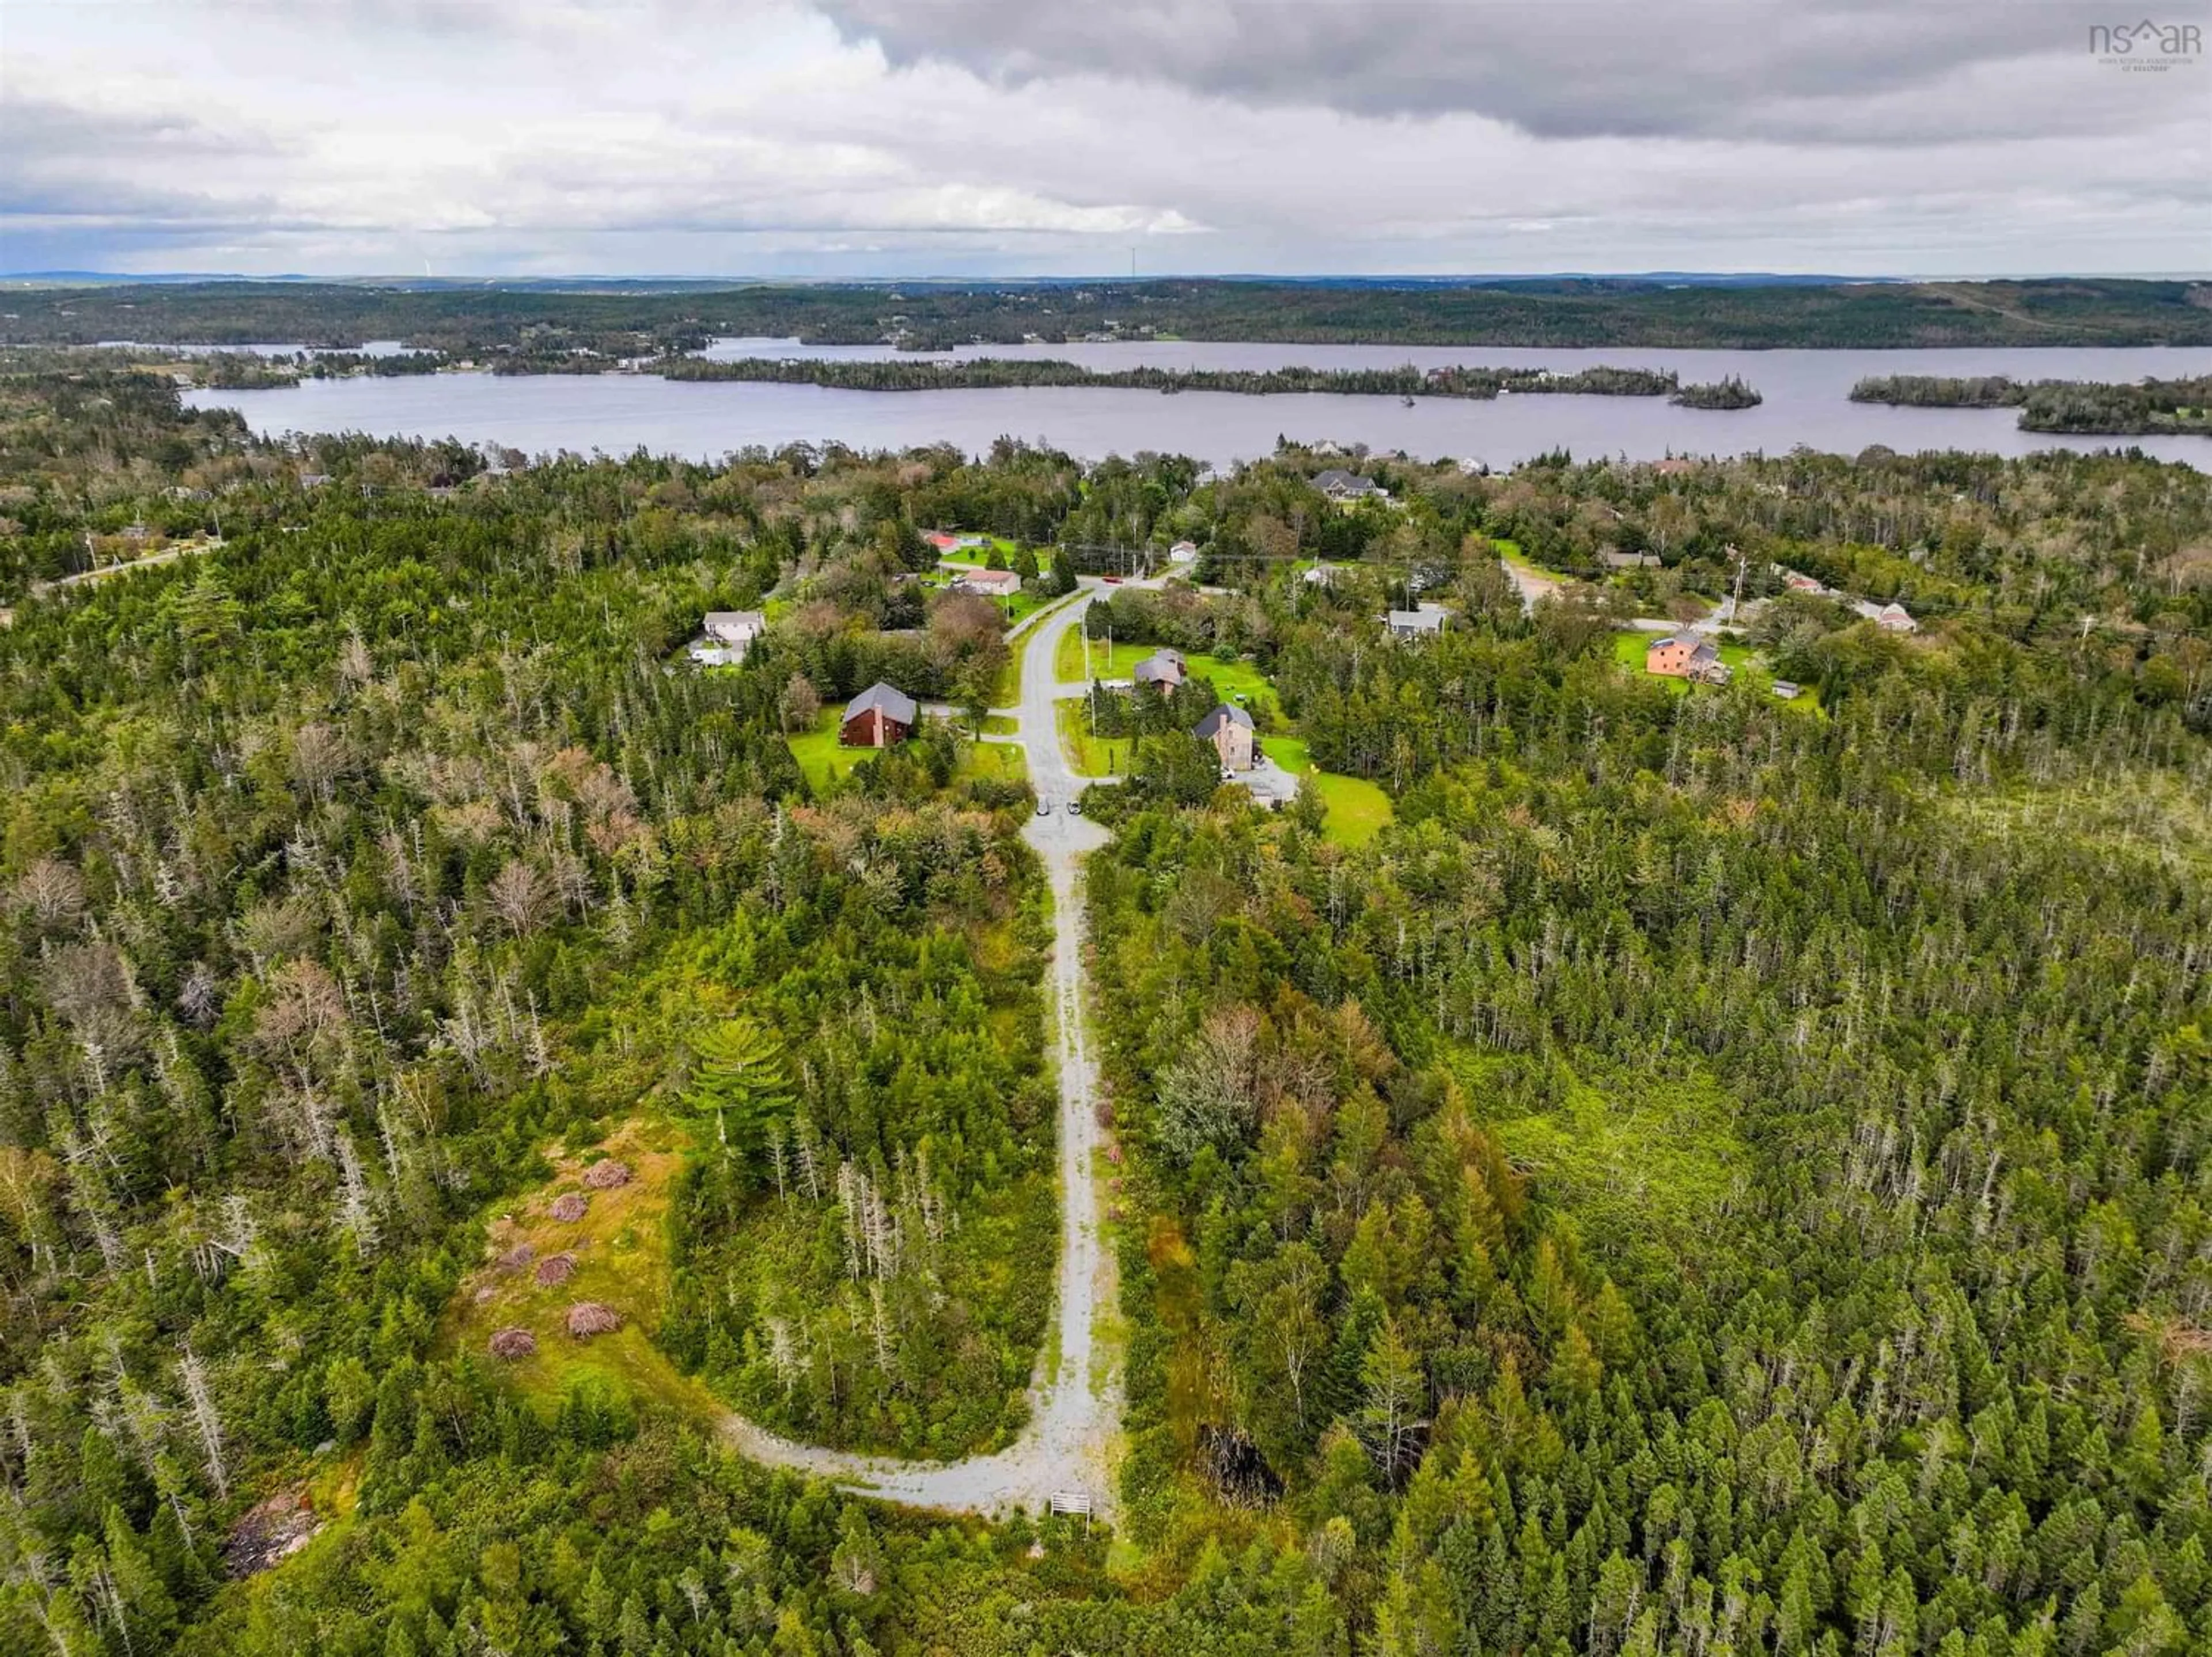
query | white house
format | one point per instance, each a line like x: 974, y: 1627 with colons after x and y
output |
x: 1422, y: 621
x: 726, y: 635
x: 988, y: 583
x: 1183, y: 553
x: 734, y: 627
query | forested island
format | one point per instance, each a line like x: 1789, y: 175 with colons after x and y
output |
x: 248, y: 371
x: 585, y: 324
x: 1729, y: 393
x: 983, y: 373
x: 1617, y: 1168
x: 2143, y: 407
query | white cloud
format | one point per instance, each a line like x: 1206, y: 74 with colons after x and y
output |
x: 685, y: 138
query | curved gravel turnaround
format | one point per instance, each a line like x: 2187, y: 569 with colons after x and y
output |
x: 1076, y: 1403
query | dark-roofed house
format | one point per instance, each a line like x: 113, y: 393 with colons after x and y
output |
x: 1339, y: 484
x: 1163, y: 670
x: 1229, y: 730
x: 882, y: 716
x: 1684, y: 658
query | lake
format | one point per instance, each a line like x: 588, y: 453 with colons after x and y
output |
x: 1806, y: 404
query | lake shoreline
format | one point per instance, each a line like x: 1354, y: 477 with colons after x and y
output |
x: 1806, y: 403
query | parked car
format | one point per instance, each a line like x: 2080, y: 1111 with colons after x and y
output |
x: 1044, y: 808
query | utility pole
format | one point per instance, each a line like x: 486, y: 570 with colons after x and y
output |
x: 1736, y: 598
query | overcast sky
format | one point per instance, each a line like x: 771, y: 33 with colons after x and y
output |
x: 918, y: 137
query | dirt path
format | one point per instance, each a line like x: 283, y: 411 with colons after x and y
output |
x: 1076, y: 1392
x: 1533, y: 587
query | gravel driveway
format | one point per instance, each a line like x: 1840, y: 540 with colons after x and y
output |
x: 1076, y: 1408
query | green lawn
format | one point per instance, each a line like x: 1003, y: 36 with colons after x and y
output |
x: 1230, y: 678
x: 820, y: 758
x: 994, y: 759
x: 1088, y: 755
x: 1629, y: 648
x: 1358, y: 810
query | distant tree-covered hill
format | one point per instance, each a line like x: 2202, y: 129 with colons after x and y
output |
x: 1546, y: 312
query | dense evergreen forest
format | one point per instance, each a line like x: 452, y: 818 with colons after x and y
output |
x: 2144, y: 407
x: 1711, y: 1176
x: 536, y: 322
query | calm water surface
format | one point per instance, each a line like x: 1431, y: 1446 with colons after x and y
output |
x: 1806, y: 404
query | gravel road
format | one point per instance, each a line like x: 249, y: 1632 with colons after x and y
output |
x: 1076, y: 1400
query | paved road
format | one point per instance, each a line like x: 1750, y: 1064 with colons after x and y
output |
x: 1076, y: 1394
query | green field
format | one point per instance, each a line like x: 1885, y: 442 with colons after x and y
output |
x: 993, y: 759
x: 1358, y: 810
x: 1742, y: 661
x: 821, y: 759
x: 1088, y: 755
x: 1231, y: 679
x: 1651, y: 1159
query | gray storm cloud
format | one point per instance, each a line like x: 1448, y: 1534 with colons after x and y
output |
x: 1786, y: 71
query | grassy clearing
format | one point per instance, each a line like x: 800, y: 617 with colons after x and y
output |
x: 1088, y: 755
x: 1358, y: 810
x: 1645, y: 1158
x: 2159, y: 819
x: 993, y: 759
x: 1231, y: 679
x: 821, y: 759
x: 1511, y: 553
x: 620, y: 1246
x: 1741, y: 661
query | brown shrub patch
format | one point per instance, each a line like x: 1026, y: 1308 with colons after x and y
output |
x: 589, y: 1318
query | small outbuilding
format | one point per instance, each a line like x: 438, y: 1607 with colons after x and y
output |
x: 1183, y: 553
x: 1229, y: 730
x: 882, y: 716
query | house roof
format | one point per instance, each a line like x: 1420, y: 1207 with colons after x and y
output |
x: 735, y: 621
x: 1428, y: 618
x: 888, y: 699
x: 1701, y: 650
x: 995, y: 580
x: 1222, y: 714
x: 1336, y: 479
x: 1160, y: 664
